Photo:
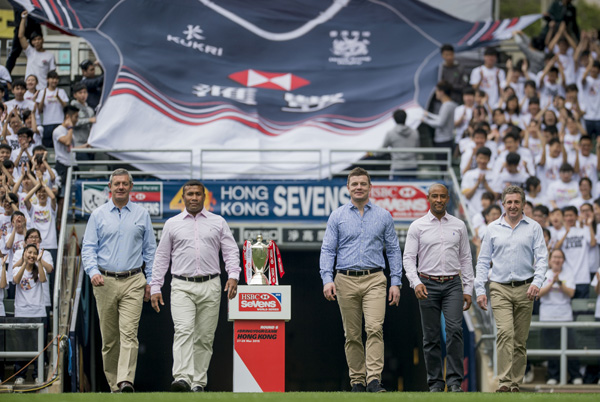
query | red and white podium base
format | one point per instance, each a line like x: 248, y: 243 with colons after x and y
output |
x: 259, y: 314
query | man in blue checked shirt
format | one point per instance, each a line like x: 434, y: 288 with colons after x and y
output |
x: 357, y: 233
x: 118, y: 242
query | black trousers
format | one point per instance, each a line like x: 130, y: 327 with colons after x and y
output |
x: 444, y: 298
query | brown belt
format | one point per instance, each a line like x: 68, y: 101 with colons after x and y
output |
x: 440, y: 279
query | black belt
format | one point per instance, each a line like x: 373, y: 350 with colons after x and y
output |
x: 515, y: 284
x: 440, y: 279
x: 359, y: 273
x: 120, y: 275
x: 196, y: 278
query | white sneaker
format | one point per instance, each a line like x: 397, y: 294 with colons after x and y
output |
x: 551, y: 381
x: 577, y: 381
x: 19, y: 381
x: 528, y: 379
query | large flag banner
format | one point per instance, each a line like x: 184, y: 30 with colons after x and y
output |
x: 262, y: 74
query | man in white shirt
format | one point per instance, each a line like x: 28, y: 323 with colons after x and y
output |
x: 39, y: 61
x: 512, y: 144
x: 561, y: 192
x: 464, y: 113
x: 477, y: 181
x: 576, y: 244
x: 590, y: 83
x: 488, y: 77
x: 441, y: 244
x: 63, y: 142
x: 18, y: 89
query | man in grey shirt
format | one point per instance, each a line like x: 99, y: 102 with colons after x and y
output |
x: 402, y: 136
x: 444, y: 121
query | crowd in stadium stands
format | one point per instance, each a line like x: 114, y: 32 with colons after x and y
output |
x: 534, y: 125
x: 40, y: 116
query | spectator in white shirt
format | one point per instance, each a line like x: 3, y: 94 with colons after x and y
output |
x: 585, y: 193
x: 488, y: 77
x: 511, y: 144
x: 590, y: 83
x: 533, y: 191
x: 477, y: 181
x: 576, y: 244
x: 39, y: 61
x: 549, y: 84
x: 31, y: 83
x: 563, y: 191
x: 50, y: 102
x: 550, y: 161
x: 509, y: 174
x: 464, y: 113
x: 512, y: 111
x: 555, y: 305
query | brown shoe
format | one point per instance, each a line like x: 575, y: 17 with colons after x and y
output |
x: 503, y: 388
x: 126, y: 387
x: 515, y: 389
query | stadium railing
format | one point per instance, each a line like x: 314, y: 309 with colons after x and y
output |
x: 27, y: 354
x: 590, y: 347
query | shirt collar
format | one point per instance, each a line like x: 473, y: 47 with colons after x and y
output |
x: 186, y: 214
x: 113, y: 206
x: 502, y: 220
x: 432, y: 216
x: 368, y: 205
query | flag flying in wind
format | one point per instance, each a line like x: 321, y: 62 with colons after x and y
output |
x: 201, y: 74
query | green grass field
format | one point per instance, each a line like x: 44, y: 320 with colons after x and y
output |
x: 299, y: 397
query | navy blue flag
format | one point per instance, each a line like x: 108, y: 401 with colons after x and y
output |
x: 197, y: 74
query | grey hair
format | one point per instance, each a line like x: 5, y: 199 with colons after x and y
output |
x: 121, y: 172
x: 513, y: 190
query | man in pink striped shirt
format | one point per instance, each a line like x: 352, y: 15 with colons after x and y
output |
x: 441, y: 243
x: 191, y: 242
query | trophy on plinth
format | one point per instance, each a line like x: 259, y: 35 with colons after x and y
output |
x: 257, y: 257
x: 260, y: 257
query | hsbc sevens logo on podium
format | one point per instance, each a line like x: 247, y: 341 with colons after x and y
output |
x: 260, y: 302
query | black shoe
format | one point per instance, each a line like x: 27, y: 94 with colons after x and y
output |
x: 436, y: 389
x: 198, y: 388
x: 456, y: 388
x: 359, y: 388
x: 126, y: 387
x: 180, y: 386
x: 375, y: 386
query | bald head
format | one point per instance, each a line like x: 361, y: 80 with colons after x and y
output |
x: 437, y: 187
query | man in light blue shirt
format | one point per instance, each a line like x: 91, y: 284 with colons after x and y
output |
x: 357, y: 234
x: 118, y: 243
x: 514, y: 249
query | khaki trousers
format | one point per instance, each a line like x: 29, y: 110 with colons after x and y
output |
x: 360, y: 296
x: 195, y: 312
x: 119, y: 304
x: 512, y: 312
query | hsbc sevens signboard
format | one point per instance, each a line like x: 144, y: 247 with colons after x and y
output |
x: 146, y: 194
x: 405, y: 201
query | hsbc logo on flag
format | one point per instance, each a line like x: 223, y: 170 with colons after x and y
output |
x: 260, y: 302
x: 261, y: 79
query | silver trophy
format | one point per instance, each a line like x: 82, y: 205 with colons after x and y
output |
x: 260, y: 257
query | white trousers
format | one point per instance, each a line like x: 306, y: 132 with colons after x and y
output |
x: 195, y: 312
